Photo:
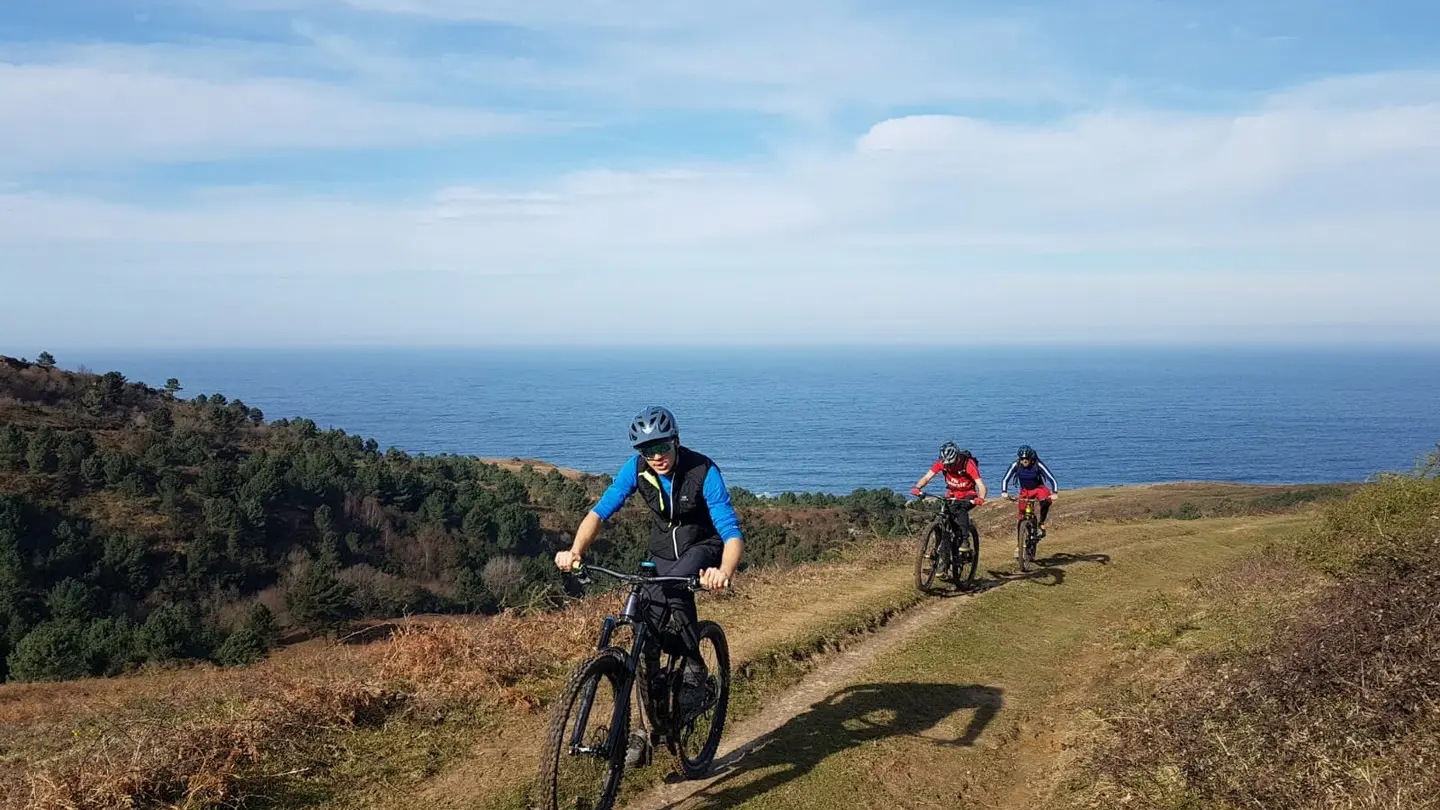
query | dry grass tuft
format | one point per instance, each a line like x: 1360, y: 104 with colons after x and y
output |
x: 1336, y: 707
x: 158, y: 755
x: 216, y: 738
x: 510, y: 655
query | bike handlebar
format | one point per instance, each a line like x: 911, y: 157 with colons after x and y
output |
x: 582, y: 570
x: 925, y: 496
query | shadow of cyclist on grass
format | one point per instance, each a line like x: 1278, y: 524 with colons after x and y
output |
x: 1066, y: 558
x: 1048, y: 570
x: 853, y: 716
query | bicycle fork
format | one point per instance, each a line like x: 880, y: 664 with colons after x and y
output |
x: 614, y: 740
x: 1032, y: 530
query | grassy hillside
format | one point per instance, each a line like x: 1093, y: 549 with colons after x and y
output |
x: 1330, y: 698
x: 451, y: 708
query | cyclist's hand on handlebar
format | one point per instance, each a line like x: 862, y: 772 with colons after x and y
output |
x: 979, y: 501
x: 713, y: 578
x: 566, y: 560
x: 915, y: 491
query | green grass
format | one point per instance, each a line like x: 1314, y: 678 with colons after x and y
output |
x: 397, y: 757
x: 1254, y: 504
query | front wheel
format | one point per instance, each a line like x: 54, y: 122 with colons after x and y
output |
x: 1022, y: 544
x: 700, y: 708
x: 931, y: 559
x: 584, y: 754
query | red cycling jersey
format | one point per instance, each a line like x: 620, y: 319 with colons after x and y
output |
x: 959, y: 483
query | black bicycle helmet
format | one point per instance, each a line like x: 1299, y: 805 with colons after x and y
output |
x: 949, y: 453
x: 1026, y: 451
x: 652, y: 425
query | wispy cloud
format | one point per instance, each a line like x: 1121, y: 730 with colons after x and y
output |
x: 69, y: 113
x: 782, y: 58
x: 1286, y: 174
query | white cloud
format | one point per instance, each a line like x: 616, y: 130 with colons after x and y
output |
x: 69, y: 105
x: 1113, y: 156
x: 805, y: 65
x: 69, y: 115
x: 802, y: 59
x: 1282, y: 176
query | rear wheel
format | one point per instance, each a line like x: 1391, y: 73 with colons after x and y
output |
x: 967, y: 556
x: 931, y: 558
x: 584, y: 754
x: 700, y: 724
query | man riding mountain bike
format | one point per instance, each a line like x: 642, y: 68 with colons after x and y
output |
x: 695, y: 531
x: 1034, y: 480
x: 964, y: 488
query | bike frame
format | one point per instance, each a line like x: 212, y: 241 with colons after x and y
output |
x: 951, y: 525
x: 1031, y: 518
x: 946, y: 522
x: 632, y: 616
x: 1027, y: 508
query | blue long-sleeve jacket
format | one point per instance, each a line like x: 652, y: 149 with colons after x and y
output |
x: 717, y: 498
x: 1029, y: 477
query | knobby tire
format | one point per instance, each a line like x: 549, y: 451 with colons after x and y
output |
x: 608, y: 670
x: 934, y: 543
x: 697, y: 765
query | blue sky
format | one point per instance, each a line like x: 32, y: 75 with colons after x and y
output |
x: 315, y: 172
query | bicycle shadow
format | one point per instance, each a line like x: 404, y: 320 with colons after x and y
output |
x: 1049, y: 577
x: 975, y: 587
x: 1066, y: 558
x: 1050, y: 571
x: 853, y: 716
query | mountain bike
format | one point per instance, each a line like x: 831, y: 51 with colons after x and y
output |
x: 1027, y: 532
x: 943, y: 550
x: 589, y: 728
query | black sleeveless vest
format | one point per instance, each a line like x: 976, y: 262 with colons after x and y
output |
x: 682, y: 521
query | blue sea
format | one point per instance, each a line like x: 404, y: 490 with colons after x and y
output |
x: 835, y: 419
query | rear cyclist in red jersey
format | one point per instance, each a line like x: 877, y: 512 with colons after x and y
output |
x: 964, y: 488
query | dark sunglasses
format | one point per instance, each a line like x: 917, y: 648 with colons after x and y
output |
x: 656, y: 449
